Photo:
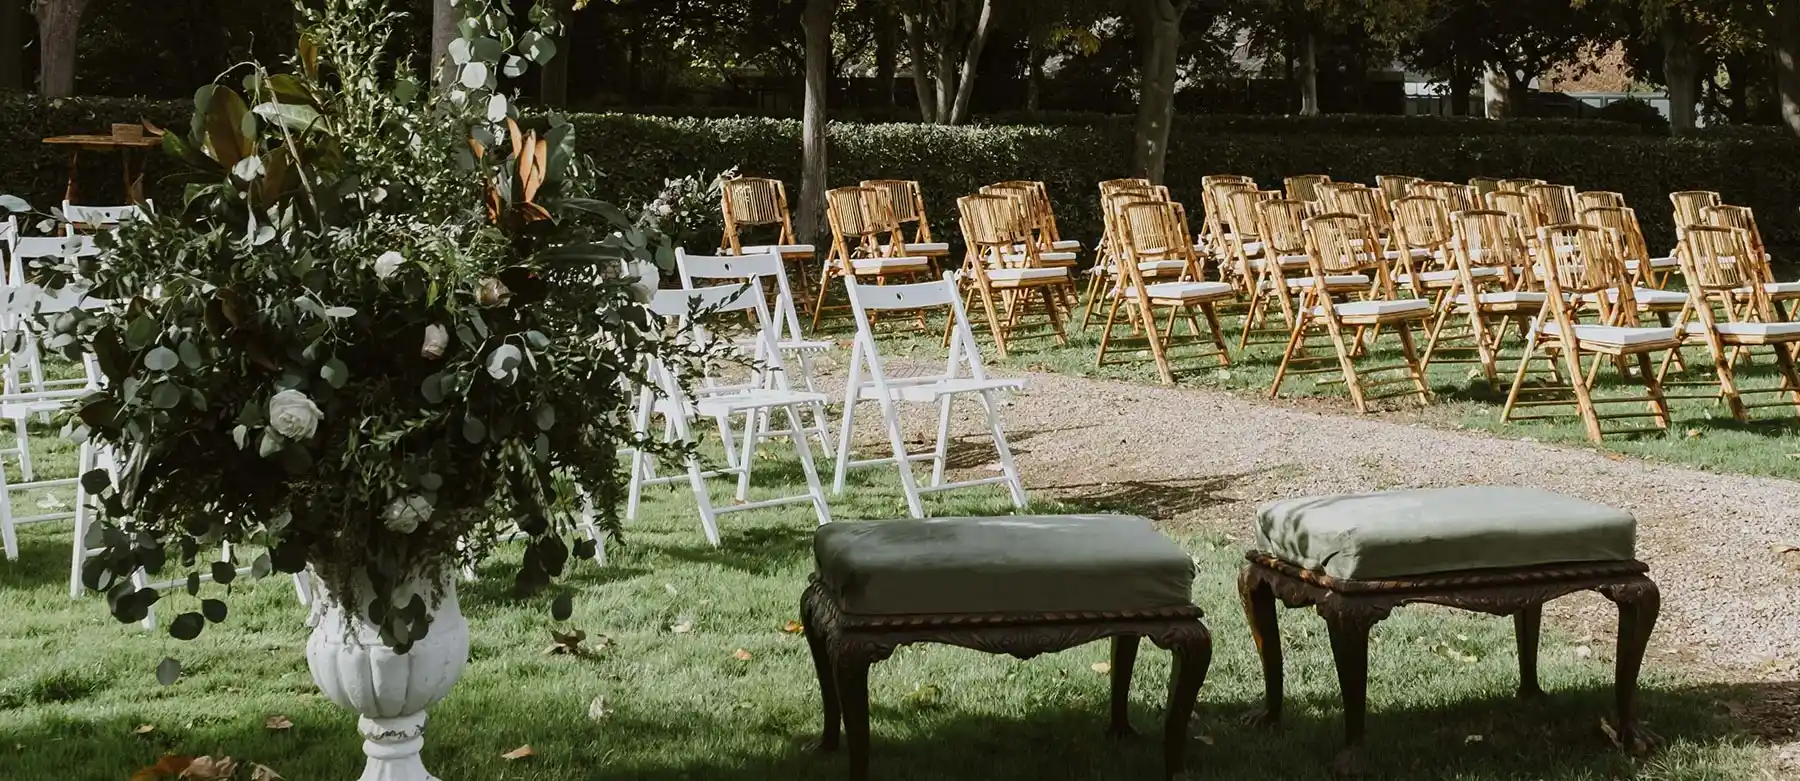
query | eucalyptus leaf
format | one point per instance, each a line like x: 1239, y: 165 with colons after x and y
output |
x: 474, y: 75
x: 213, y: 609
x: 168, y: 671
x: 503, y: 362
x: 187, y: 626
x: 161, y: 359
x: 473, y: 430
x: 335, y: 373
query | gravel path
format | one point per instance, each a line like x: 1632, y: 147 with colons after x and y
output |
x: 1204, y: 459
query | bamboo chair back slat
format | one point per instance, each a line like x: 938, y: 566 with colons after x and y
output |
x: 1517, y: 185
x: 1283, y: 226
x: 992, y: 224
x: 1485, y: 237
x: 1744, y: 219
x: 1359, y: 199
x: 1393, y: 188
x: 1622, y: 224
x: 1424, y: 223
x: 1554, y: 203
x: 1339, y: 243
x: 1595, y: 199
x: 907, y: 202
x: 1112, y: 185
x: 1579, y: 260
x: 1688, y: 204
x: 1304, y: 187
x: 850, y: 212
x: 1720, y: 259
x: 1517, y: 205
x: 1455, y: 197
x: 1484, y: 185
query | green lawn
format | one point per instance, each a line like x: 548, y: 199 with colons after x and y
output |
x: 656, y: 703
x: 1703, y: 432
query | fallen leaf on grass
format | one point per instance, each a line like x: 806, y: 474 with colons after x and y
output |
x: 1473, y: 739
x: 1583, y: 652
x: 741, y: 655
x: 144, y: 729
x: 168, y: 767
x: 263, y: 773
x: 1207, y: 739
x: 519, y: 753
x: 1453, y: 654
x: 1614, y: 456
x: 793, y: 627
x: 923, y: 695
x: 570, y: 644
x: 278, y: 723
x: 1101, y: 667
x: 682, y: 627
x: 1611, y: 734
x: 597, y: 709
x: 210, y: 769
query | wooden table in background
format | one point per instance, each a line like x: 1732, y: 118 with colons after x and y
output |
x: 134, y: 176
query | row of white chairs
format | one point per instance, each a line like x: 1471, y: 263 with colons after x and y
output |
x: 783, y: 381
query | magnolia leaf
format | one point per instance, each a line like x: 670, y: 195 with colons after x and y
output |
x: 165, y: 395
x: 335, y: 373
x: 223, y: 572
x: 538, y: 47
x: 487, y: 49
x: 14, y: 203
x: 161, y: 359
x: 168, y: 671
x: 96, y: 481
x: 545, y: 417
x: 248, y: 168
x: 190, y: 354
x: 296, y: 117
x: 261, y: 567
x: 514, y: 66
x: 170, y: 766
x: 460, y: 50
x: 521, y: 752
x: 278, y: 723
x: 223, y: 135
x: 340, y: 312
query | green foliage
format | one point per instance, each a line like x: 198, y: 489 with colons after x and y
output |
x: 381, y: 326
x: 1636, y: 112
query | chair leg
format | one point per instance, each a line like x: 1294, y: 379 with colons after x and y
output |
x: 1014, y: 485
x: 1112, y: 317
x: 1659, y: 404
x: 1413, y: 367
x: 1350, y: 651
x: 908, y: 483
x: 1218, y: 333
x: 993, y: 317
x: 1639, y: 603
x: 1124, y: 658
x: 1259, y: 610
x: 753, y: 421
x: 820, y: 646
x: 940, y: 453
x: 1527, y: 625
x: 1347, y: 363
x: 1050, y: 307
x: 803, y: 447
x: 1187, y: 675
x: 852, y: 673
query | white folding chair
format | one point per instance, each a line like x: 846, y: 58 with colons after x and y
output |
x: 20, y: 252
x: 963, y: 374
x: 785, y: 322
x: 103, y: 217
x: 679, y: 404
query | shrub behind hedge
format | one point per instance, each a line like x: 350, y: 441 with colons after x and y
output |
x: 636, y: 153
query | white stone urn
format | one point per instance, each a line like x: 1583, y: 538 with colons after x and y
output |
x: 389, y: 690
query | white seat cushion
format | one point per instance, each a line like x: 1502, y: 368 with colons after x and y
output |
x: 1651, y: 297
x: 1656, y: 264
x: 784, y: 249
x: 888, y: 264
x: 1377, y: 308
x: 1284, y: 261
x: 1150, y: 266
x: 1611, y: 334
x: 1448, y: 275
x: 928, y: 247
x: 1756, y: 330
x: 1417, y: 252
x: 1023, y: 274
x: 1778, y: 288
x: 1508, y: 297
x: 1185, y: 291
x: 1066, y: 245
x: 1331, y: 280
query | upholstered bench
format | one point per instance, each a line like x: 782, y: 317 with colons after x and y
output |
x: 1504, y: 551
x: 1020, y: 585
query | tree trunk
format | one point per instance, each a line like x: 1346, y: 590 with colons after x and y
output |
x: 1736, y: 91
x: 12, y: 65
x: 553, y: 78
x: 946, y: 63
x: 886, y: 52
x: 59, y: 26
x: 1496, y: 94
x: 1681, y: 72
x: 1461, y: 74
x: 965, y: 87
x: 1518, y: 93
x: 921, y: 72
x: 1034, y: 67
x: 816, y: 19
x: 1786, y: 40
x: 1308, y: 74
x: 1159, y: 28
x: 444, y: 17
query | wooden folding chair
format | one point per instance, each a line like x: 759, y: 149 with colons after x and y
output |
x: 1688, y: 204
x: 1554, y: 203
x: 1518, y: 206
x: 1039, y: 221
x: 964, y: 375
x: 1340, y: 245
x: 906, y: 204
x: 1484, y: 185
x: 1580, y: 269
x: 1110, y: 186
x: 863, y: 244
x: 1282, y: 225
x: 1422, y: 224
x: 1002, y: 263
x: 1364, y: 201
x: 1393, y: 188
x: 1622, y: 223
x: 1492, y: 288
x: 759, y: 205
x: 1304, y: 187
x: 1597, y: 199
x: 1517, y: 185
x: 1455, y: 197
x: 1150, y: 231
x: 1780, y: 294
x: 1712, y: 259
x: 1104, y: 276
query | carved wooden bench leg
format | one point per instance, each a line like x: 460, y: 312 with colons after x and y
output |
x: 1349, y: 623
x: 819, y: 643
x: 1124, y: 657
x: 1259, y: 608
x: 853, y: 692
x: 1639, y: 604
x: 1193, y: 655
x: 1527, y: 625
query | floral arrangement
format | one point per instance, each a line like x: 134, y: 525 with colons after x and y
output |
x: 686, y: 211
x: 386, y: 327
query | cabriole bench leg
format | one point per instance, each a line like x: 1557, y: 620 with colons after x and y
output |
x: 1259, y: 608
x: 1124, y: 657
x: 1639, y: 604
x: 853, y: 695
x: 819, y: 644
x: 1193, y: 655
x: 1527, y: 625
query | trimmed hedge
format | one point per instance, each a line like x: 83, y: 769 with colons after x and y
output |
x: 635, y: 153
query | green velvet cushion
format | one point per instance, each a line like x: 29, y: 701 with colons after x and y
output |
x: 1010, y: 564
x: 1399, y: 533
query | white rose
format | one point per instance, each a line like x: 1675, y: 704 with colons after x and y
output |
x: 387, y: 264
x: 436, y: 339
x: 645, y: 279
x: 293, y: 415
x: 406, y: 513
x: 664, y: 209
